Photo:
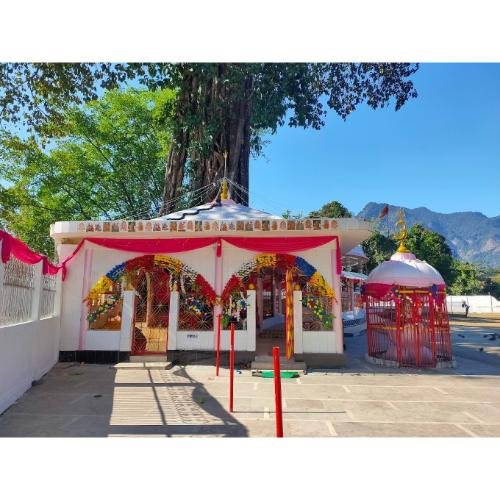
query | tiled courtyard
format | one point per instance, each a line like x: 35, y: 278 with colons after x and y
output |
x: 359, y: 400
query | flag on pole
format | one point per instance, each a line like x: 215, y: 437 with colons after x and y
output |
x: 383, y: 212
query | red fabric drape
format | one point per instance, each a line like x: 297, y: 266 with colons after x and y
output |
x: 170, y: 245
x: 21, y: 251
x: 175, y: 245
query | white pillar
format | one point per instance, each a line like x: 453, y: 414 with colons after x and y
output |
x: 337, y: 305
x: 37, y: 291
x: 260, y: 301
x: 87, y: 273
x: 297, y: 322
x: 251, y: 320
x: 58, y: 295
x: 218, y: 289
x: 173, y: 317
x: 127, y: 325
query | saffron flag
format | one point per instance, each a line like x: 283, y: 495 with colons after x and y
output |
x: 383, y: 212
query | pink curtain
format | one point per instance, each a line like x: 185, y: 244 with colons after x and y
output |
x: 21, y: 251
x: 175, y: 245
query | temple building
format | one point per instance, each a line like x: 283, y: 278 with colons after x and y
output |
x: 158, y: 287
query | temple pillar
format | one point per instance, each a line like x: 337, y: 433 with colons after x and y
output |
x: 173, y: 319
x: 87, y: 270
x: 297, y: 322
x: 127, y: 323
x: 218, y: 289
x: 149, y: 299
x: 260, y: 302
x: 337, y: 305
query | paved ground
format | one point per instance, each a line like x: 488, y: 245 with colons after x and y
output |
x: 360, y: 400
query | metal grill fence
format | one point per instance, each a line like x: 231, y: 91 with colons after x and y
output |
x: 48, y: 295
x: 16, y: 292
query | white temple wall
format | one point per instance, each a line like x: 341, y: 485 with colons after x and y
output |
x: 71, y: 303
x: 103, y: 260
x: 233, y: 259
x: 202, y: 261
x: 320, y: 258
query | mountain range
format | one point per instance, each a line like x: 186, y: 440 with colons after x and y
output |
x: 472, y: 236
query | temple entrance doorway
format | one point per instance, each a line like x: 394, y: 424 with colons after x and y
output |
x: 271, y: 304
x: 150, y: 326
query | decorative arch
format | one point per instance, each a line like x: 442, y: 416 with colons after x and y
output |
x: 197, y: 295
x: 317, y: 298
x: 312, y: 280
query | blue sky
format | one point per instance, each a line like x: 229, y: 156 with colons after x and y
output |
x: 441, y: 150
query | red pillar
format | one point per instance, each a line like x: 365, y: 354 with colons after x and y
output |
x: 231, y: 369
x: 277, y: 392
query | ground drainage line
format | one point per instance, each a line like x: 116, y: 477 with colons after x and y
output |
x: 467, y: 431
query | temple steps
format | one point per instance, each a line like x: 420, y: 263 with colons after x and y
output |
x: 146, y: 362
x: 265, y: 362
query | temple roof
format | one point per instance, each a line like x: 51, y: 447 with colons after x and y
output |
x: 218, y: 210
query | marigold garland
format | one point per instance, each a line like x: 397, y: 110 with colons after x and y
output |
x: 233, y: 285
x: 206, y: 289
x: 265, y: 260
x: 320, y: 286
x: 172, y: 264
x: 165, y: 263
x: 103, y: 285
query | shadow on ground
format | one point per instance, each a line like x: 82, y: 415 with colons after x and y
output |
x: 100, y: 401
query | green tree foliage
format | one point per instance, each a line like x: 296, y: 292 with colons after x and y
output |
x: 34, y: 95
x: 108, y: 162
x: 378, y: 248
x: 219, y: 107
x: 432, y: 247
x: 333, y: 209
x: 287, y: 214
x: 469, y: 279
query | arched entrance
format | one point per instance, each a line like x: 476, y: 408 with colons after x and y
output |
x: 275, y: 277
x: 153, y: 278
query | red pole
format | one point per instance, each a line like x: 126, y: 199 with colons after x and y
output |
x: 217, y: 355
x: 231, y: 370
x: 277, y: 392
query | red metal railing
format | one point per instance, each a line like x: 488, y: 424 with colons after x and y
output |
x: 411, y: 329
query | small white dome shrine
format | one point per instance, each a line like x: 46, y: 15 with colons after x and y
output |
x: 407, y: 320
x: 404, y: 269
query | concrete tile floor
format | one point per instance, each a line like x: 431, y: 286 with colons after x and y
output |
x: 75, y: 400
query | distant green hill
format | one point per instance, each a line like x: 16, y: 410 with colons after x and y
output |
x: 471, y: 235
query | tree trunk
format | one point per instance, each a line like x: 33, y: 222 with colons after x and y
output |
x: 207, y: 102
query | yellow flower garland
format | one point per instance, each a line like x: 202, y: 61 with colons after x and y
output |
x: 319, y: 284
x: 171, y: 263
x: 265, y: 260
x: 103, y: 285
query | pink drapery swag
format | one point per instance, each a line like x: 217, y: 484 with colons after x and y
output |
x: 21, y: 251
x: 176, y: 245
